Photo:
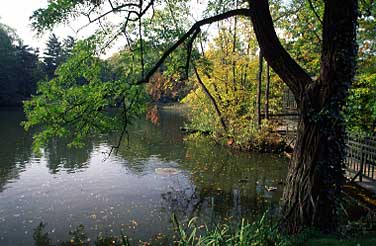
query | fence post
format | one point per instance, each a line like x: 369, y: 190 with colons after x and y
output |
x: 362, y: 160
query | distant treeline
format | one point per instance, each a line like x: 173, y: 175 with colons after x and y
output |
x: 22, y: 66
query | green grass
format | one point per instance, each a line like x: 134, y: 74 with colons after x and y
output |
x: 261, y: 232
x: 264, y: 232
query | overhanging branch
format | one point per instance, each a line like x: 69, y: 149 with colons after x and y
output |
x: 193, y: 29
x: 189, y: 51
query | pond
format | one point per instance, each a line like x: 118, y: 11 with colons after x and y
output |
x: 153, y: 175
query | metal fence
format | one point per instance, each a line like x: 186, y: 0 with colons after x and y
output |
x: 288, y: 102
x: 361, y: 156
x: 360, y: 150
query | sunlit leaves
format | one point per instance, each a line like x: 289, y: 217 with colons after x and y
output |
x: 57, y: 11
x: 82, y: 100
x: 229, y: 71
x: 360, y: 110
x: 299, y: 25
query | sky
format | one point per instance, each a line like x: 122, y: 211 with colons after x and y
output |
x: 16, y: 14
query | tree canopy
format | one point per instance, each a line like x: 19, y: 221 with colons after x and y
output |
x: 20, y: 68
x: 318, y: 69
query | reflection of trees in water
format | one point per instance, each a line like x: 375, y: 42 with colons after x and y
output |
x: 59, y: 156
x: 147, y: 141
x: 224, y: 183
x: 16, y: 150
x: 182, y: 200
x: 221, y: 166
x: 9, y: 171
x: 15, y: 146
x: 212, y: 205
x: 224, y: 171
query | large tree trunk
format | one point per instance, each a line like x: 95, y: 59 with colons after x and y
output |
x: 267, y: 90
x: 258, y: 91
x: 234, y: 40
x: 315, y: 171
x: 314, y: 175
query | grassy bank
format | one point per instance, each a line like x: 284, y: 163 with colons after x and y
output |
x: 261, y: 232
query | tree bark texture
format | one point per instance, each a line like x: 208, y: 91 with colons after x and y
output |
x: 315, y: 172
x: 258, y: 91
x: 267, y: 91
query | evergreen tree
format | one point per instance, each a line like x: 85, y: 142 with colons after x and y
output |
x: 68, y: 44
x: 19, y: 68
x: 53, y: 55
x: 28, y: 62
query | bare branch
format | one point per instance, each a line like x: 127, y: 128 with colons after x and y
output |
x: 110, y: 2
x: 189, y: 50
x: 197, y: 25
x: 141, y: 47
x: 211, y: 98
x: 113, y: 10
x: 127, y: 7
x: 315, y: 12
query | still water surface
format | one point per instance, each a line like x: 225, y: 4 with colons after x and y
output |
x: 127, y: 191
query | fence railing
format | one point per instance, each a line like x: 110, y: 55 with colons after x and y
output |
x: 361, y: 156
x: 288, y: 101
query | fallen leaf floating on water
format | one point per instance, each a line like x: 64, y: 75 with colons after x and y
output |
x: 270, y: 188
x: 245, y: 180
x: 167, y: 171
x: 134, y: 222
